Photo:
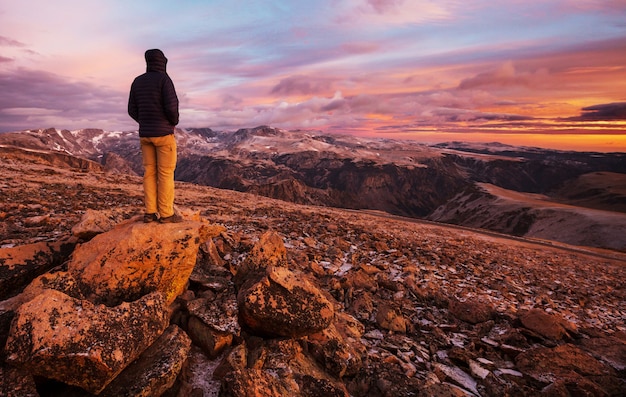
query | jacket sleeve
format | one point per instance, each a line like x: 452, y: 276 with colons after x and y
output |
x: 133, y: 110
x: 170, y: 102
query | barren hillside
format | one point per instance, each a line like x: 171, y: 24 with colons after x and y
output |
x: 445, y: 182
x: 418, y: 289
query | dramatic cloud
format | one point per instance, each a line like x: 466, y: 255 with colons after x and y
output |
x: 302, y: 85
x: 38, y: 98
x: 505, y: 75
x: 337, y: 65
x: 603, y: 112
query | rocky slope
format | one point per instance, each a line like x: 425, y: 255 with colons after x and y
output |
x: 364, y: 304
x: 489, y: 207
x: 399, y: 177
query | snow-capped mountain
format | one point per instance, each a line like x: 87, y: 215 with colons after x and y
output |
x: 445, y: 182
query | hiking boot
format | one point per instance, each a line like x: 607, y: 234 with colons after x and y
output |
x: 172, y: 219
x: 147, y: 218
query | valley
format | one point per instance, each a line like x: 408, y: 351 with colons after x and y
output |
x: 569, y: 197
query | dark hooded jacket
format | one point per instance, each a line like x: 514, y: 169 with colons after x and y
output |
x: 153, y: 102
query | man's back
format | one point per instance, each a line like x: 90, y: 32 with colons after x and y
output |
x: 153, y: 102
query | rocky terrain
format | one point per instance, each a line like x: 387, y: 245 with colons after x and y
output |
x: 445, y: 182
x: 252, y: 296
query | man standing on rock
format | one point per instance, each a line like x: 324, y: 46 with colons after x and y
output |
x: 154, y: 105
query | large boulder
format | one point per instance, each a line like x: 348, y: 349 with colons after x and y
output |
x: 19, y: 265
x: 282, y: 303
x: 273, y: 300
x: 83, y: 323
x: 81, y: 343
x: 136, y: 258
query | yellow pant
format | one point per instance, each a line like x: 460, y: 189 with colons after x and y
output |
x: 159, y: 163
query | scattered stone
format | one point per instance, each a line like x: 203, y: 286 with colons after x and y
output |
x: 457, y: 375
x: 95, y: 222
x: 471, y: 311
x: 547, y: 325
x: 359, y: 262
x: 212, y: 341
x: 391, y: 318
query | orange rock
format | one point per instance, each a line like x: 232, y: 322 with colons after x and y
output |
x: 135, y: 258
x: 80, y: 343
x: 283, y: 303
x: 547, y: 325
x: 391, y: 319
x: 18, y: 265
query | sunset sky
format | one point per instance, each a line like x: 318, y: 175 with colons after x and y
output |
x: 549, y: 73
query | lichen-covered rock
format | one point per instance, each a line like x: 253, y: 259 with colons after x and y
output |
x: 213, y: 323
x: 156, y: 369
x: 80, y: 343
x: 19, y: 265
x: 283, y: 304
x: 17, y: 383
x: 278, y: 368
x: 136, y: 258
x: 338, y: 348
x: 268, y: 251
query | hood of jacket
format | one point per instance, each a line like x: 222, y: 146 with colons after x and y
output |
x: 155, y: 61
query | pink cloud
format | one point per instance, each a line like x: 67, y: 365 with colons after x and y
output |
x: 382, y: 6
x: 397, y: 12
x: 9, y: 42
x: 302, y: 85
x: 505, y: 75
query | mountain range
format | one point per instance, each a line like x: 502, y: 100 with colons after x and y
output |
x: 561, y: 196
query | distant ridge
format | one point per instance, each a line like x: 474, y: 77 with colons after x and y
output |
x: 404, y: 178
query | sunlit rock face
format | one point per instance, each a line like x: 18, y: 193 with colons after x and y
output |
x: 20, y: 264
x: 85, y: 323
x: 136, y: 258
x: 418, y: 308
x: 81, y: 343
x: 273, y: 300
